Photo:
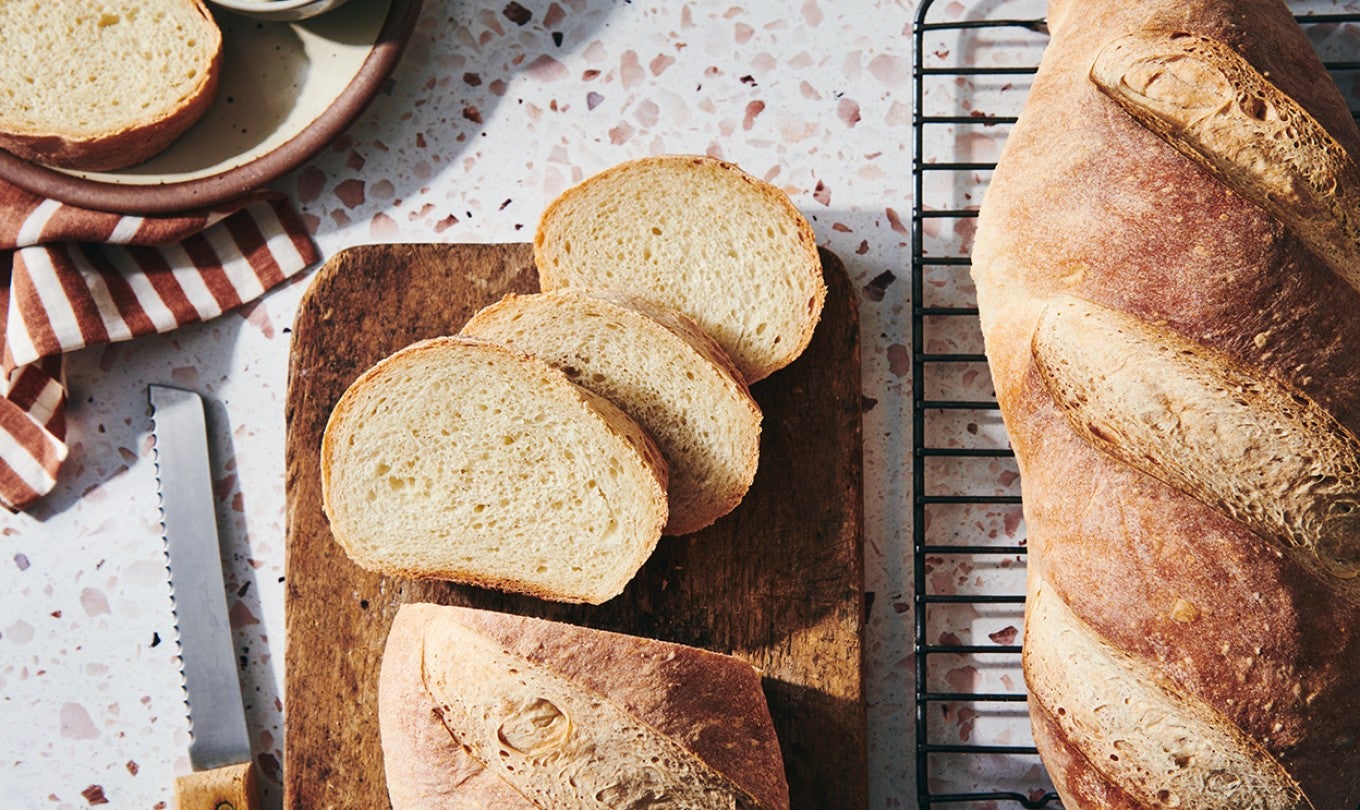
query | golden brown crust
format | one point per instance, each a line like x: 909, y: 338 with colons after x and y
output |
x: 1173, y: 582
x: 135, y: 143
x: 1208, y: 102
x: 1120, y: 218
x: 1161, y: 746
x: 711, y: 704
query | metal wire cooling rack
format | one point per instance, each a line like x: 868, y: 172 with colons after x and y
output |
x: 973, y: 66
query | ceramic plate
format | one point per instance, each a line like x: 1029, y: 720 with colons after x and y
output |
x: 286, y: 90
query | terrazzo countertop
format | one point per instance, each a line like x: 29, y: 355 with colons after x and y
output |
x: 493, y: 111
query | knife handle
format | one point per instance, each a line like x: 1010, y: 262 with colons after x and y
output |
x: 231, y: 787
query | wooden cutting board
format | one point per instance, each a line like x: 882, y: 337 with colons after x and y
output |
x: 779, y: 582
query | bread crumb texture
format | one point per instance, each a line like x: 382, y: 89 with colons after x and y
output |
x: 662, y: 370
x: 81, y: 69
x: 458, y: 459
x: 697, y: 235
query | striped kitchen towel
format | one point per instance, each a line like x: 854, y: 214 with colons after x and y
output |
x: 73, y: 277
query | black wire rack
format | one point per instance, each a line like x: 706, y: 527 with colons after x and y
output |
x: 974, y: 61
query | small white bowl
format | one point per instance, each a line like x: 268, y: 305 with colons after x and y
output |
x: 279, y: 10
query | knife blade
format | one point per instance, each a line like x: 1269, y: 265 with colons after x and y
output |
x: 223, y: 775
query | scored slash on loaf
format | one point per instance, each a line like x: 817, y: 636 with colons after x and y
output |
x: 1215, y: 108
x: 480, y: 709
x: 1166, y: 271
x: 103, y: 86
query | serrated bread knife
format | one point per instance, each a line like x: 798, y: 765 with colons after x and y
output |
x: 223, y: 775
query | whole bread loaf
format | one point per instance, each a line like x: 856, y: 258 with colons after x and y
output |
x: 463, y: 460
x: 480, y: 709
x: 101, y: 86
x: 662, y: 370
x: 1166, y: 272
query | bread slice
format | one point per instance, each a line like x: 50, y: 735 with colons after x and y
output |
x: 462, y: 460
x: 101, y: 86
x: 697, y: 235
x: 480, y: 709
x: 662, y: 370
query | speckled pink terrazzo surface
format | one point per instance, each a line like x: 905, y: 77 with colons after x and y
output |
x: 488, y: 117
x: 494, y: 110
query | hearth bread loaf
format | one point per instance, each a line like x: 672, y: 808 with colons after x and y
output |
x: 479, y: 709
x: 463, y: 460
x: 1166, y: 265
x: 103, y: 86
x: 697, y: 235
x: 662, y: 370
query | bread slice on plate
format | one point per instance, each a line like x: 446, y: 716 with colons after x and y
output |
x: 478, y: 709
x: 662, y: 370
x: 462, y: 460
x: 101, y: 86
x: 697, y: 235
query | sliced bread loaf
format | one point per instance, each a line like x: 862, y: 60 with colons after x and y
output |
x: 697, y: 235
x: 478, y: 709
x: 462, y: 460
x: 662, y: 370
x: 104, y: 85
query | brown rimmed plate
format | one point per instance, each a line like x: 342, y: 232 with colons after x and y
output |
x: 287, y: 89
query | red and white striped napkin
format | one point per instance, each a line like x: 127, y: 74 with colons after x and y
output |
x: 73, y: 277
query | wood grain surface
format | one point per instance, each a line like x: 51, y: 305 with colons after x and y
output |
x: 231, y: 787
x: 779, y: 582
